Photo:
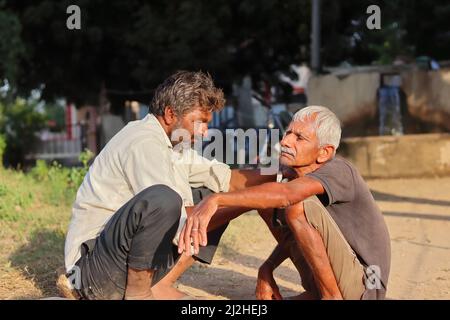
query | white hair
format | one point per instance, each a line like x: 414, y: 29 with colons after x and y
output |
x: 326, y: 123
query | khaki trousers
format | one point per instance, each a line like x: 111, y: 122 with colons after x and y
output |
x: 347, y: 269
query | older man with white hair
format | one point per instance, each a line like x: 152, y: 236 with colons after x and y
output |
x: 324, y: 217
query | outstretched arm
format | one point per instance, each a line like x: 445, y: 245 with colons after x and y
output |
x: 267, y: 195
x: 241, y: 179
x: 270, y: 195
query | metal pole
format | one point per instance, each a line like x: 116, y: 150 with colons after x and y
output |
x: 315, y: 36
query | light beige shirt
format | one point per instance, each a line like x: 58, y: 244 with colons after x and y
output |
x: 137, y: 157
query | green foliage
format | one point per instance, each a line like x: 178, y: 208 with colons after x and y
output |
x: 13, y: 201
x: 133, y: 45
x: 21, y: 122
x: 55, y: 113
x: 2, y: 148
x: 55, y: 178
x: 40, y: 199
x: 77, y: 175
x: 62, y: 183
x: 11, y: 45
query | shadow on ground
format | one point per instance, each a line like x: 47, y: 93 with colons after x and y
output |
x: 39, y: 259
x: 382, y: 196
x: 281, y: 272
x: 233, y: 284
x: 226, y: 283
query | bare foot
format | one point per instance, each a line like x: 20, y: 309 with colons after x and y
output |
x: 138, y: 285
x: 163, y: 291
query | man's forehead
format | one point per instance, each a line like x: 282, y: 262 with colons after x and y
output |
x: 200, y: 113
x: 302, y: 127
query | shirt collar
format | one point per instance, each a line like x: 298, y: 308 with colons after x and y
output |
x: 153, y: 121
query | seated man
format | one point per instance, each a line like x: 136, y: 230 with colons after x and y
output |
x: 128, y: 208
x: 328, y: 223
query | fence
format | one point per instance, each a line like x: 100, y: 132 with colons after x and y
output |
x: 59, y: 145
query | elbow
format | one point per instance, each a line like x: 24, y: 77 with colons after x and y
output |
x: 287, y: 198
x: 291, y: 197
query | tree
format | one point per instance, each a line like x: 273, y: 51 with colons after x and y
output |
x: 128, y: 47
x: 11, y: 46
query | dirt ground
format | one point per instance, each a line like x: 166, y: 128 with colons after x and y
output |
x: 417, y: 212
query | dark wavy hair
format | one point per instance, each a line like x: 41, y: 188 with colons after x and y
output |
x: 186, y: 90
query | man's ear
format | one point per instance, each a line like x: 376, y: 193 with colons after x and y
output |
x: 169, y: 116
x: 325, y: 153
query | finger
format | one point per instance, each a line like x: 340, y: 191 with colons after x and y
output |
x: 181, y: 247
x: 195, y: 235
x: 203, y: 231
x: 187, y: 237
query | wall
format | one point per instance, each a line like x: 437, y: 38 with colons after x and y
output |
x: 399, y: 156
x: 352, y: 95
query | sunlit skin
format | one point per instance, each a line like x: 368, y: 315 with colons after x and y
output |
x: 195, y: 122
x: 303, y: 154
x: 301, y: 140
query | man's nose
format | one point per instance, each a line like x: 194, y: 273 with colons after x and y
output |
x: 285, y: 141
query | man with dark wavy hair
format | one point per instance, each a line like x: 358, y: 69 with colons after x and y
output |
x: 136, y: 196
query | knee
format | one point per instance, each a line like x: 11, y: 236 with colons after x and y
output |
x: 313, y: 211
x: 307, y: 213
x: 295, y: 215
x: 167, y: 201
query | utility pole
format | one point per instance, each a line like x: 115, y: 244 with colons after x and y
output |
x: 315, y: 36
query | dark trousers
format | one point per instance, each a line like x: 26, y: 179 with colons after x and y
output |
x: 139, y: 235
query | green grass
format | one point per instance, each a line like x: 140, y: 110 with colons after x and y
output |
x: 34, y: 215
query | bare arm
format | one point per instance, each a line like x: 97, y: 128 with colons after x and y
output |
x: 266, y: 287
x: 241, y: 179
x: 267, y: 195
x: 270, y: 195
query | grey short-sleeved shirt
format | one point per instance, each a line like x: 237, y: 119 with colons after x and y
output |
x: 352, y: 206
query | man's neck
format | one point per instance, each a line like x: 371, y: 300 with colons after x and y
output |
x: 302, y: 171
x: 167, y: 129
x: 163, y: 125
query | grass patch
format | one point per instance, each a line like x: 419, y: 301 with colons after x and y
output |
x: 35, y: 210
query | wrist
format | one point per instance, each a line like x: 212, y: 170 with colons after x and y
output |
x: 215, y: 199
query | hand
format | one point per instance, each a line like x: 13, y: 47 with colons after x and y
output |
x: 195, y: 229
x: 266, y: 287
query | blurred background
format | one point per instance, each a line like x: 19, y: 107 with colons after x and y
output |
x: 382, y: 66
x: 63, y: 90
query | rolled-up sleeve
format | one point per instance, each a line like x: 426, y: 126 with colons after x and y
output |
x: 212, y: 174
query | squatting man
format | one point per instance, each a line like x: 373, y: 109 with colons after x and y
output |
x: 324, y: 218
x: 137, y: 194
